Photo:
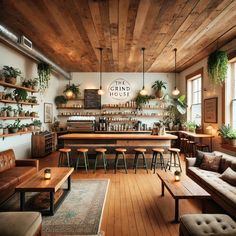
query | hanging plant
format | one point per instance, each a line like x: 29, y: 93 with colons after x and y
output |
x: 44, y: 72
x: 217, y: 67
x: 142, y: 100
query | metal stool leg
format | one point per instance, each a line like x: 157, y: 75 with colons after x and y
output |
x: 116, y: 162
x: 104, y: 162
x: 124, y: 159
x: 85, y: 162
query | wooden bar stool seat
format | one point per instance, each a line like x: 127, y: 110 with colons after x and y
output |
x: 101, y: 152
x: 64, y: 156
x: 138, y: 152
x: 154, y: 163
x: 120, y: 152
x: 84, y: 153
x: 173, y: 163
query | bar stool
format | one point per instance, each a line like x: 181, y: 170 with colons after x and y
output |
x: 84, y: 153
x: 183, y: 145
x: 154, y: 163
x: 190, y: 148
x: 175, y: 153
x: 120, y: 151
x: 101, y: 152
x: 64, y: 156
x: 202, y: 147
x: 140, y: 151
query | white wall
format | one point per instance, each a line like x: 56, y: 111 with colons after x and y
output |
x: 22, y: 144
x: 91, y: 81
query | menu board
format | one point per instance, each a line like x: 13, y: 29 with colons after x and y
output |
x: 92, y: 100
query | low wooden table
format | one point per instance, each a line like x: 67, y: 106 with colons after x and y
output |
x: 37, y: 183
x: 183, y: 189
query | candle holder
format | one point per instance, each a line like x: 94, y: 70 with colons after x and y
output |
x: 177, y: 175
x: 47, y: 174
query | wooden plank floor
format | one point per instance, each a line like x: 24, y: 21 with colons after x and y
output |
x: 134, y: 205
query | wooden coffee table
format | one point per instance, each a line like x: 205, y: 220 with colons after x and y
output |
x: 37, y: 183
x: 183, y: 189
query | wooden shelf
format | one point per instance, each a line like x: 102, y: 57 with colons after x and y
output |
x: 21, y: 103
x: 76, y: 99
x: 135, y: 108
x: 70, y: 108
x: 18, y: 117
x: 14, y: 134
x: 4, y: 84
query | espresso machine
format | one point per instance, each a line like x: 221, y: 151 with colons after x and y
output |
x: 102, y: 124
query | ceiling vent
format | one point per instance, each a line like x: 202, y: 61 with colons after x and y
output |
x: 26, y: 42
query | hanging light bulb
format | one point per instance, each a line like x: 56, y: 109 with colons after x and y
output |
x: 69, y: 93
x: 143, y: 91
x: 175, y: 92
x: 101, y: 91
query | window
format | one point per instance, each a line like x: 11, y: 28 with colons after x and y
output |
x: 194, y: 97
x: 230, y: 95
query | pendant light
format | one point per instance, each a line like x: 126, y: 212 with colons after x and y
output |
x: 69, y: 93
x: 143, y: 91
x: 101, y: 91
x: 175, y: 92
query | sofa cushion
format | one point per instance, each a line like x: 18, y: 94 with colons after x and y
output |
x: 229, y: 176
x: 21, y: 173
x: 7, y: 160
x: 211, y: 163
x: 215, y: 185
x: 226, y: 161
x: 200, y: 156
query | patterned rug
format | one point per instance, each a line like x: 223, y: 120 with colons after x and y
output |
x: 79, y: 214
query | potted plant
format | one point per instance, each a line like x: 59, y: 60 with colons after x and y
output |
x: 30, y: 127
x: 158, y: 86
x: 16, y: 112
x: 223, y: 132
x: 33, y: 114
x: 74, y: 89
x: 27, y: 83
x: 9, y: 96
x: 20, y: 95
x: 23, y: 128
x: 32, y: 99
x: 10, y: 112
x: 1, y: 129
x: 35, y: 84
x: 191, y: 126
x: 10, y: 74
x: 4, y: 112
x: 217, y: 67
x: 27, y: 113
x: 21, y: 112
x: 13, y: 128
x: 37, y: 124
x: 142, y: 100
x: 61, y: 100
x: 231, y: 135
x: 44, y: 72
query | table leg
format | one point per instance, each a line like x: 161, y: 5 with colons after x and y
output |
x: 69, y: 183
x: 52, y: 203
x: 162, y: 188
x: 22, y: 201
x: 177, y: 210
x: 211, y: 143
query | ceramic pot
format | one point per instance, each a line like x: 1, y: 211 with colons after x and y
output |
x: 10, y: 113
x: 13, y: 130
x: 10, y: 80
x: 159, y: 93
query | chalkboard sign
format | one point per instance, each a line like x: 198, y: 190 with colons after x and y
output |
x: 92, y: 100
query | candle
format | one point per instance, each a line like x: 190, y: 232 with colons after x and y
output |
x: 47, y: 174
x: 177, y: 175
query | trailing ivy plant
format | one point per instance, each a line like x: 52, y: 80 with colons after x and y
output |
x: 142, y: 100
x: 217, y: 67
x: 44, y: 72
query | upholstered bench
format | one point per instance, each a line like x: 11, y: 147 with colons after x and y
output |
x: 206, y: 224
x: 20, y: 223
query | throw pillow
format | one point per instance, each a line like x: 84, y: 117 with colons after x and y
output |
x: 200, y: 156
x: 211, y: 163
x: 229, y: 176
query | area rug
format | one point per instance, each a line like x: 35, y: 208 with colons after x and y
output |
x: 81, y: 211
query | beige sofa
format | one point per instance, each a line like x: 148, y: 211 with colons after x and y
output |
x: 223, y: 193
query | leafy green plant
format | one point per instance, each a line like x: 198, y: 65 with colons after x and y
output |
x: 9, y: 71
x: 224, y: 130
x: 159, y: 85
x: 44, y: 73
x: 73, y: 88
x: 231, y: 134
x: 20, y: 94
x: 13, y: 128
x: 142, y: 100
x: 37, y: 123
x: 217, y: 67
x: 60, y: 100
x: 190, y: 125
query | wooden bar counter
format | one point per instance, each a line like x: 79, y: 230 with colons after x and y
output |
x: 112, y: 141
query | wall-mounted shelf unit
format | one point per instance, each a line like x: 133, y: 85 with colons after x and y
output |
x: 18, y: 117
x: 3, y: 136
x: 7, y: 85
x: 20, y: 103
x: 71, y: 107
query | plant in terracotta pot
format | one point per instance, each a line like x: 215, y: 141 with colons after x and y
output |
x: 4, y: 112
x: 13, y: 128
x: 223, y: 132
x: 20, y: 95
x: 16, y: 112
x: 37, y: 124
x: 60, y: 100
x: 33, y: 114
x: 27, y: 113
x: 21, y: 112
x: 23, y: 128
x: 32, y: 99
x: 10, y: 74
x: 159, y: 86
x: 231, y: 135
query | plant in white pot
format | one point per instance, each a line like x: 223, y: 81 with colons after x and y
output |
x: 159, y: 86
x: 10, y: 112
x: 13, y: 128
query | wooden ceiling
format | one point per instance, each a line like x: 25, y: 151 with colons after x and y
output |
x: 70, y: 31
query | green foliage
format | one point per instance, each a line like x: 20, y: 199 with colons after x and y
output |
x: 73, y: 88
x: 9, y: 72
x: 159, y: 84
x: 44, y: 72
x: 143, y: 99
x: 191, y: 125
x: 20, y: 94
x: 217, y: 67
x: 226, y: 131
x: 60, y: 100
x: 15, y: 125
x: 37, y: 123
